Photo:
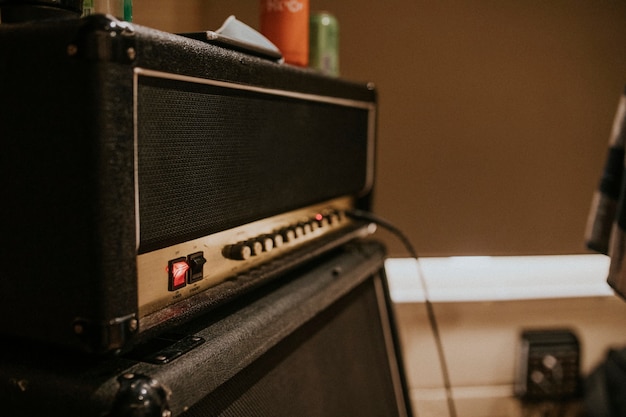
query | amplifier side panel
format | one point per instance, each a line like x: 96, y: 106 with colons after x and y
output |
x: 68, y: 256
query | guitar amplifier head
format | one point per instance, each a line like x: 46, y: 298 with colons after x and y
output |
x: 149, y: 177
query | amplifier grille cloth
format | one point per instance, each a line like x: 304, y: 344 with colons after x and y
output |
x: 211, y: 158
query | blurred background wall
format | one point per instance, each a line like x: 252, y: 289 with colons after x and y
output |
x: 494, y: 114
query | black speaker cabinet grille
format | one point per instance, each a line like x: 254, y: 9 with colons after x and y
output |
x: 334, y: 365
x: 210, y: 158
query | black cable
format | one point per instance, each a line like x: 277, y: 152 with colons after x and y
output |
x: 370, y: 217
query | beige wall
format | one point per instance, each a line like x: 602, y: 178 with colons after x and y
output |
x: 494, y: 115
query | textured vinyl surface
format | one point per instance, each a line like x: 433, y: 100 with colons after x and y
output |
x: 335, y: 365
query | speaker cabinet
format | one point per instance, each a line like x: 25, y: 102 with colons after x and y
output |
x: 320, y: 342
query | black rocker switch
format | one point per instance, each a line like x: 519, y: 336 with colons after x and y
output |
x: 196, y: 263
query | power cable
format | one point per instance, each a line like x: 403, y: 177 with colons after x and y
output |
x: 370, y: 217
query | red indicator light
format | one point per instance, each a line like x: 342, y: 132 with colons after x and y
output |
x: 179, y: 273
x: 319, y: 217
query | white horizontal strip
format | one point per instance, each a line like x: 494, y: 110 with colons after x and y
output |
x: 499, y: 278
x: 462, y: 392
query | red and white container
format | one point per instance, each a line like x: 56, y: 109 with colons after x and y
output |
x: 286, y: 24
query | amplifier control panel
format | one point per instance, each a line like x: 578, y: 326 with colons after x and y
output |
x: 171, y: 274
x: 258, y: 245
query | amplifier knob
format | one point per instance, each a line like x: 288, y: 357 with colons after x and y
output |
x: 239, y: 251
x: 333, y: 217
x: 299, y: 231
x: 288, y: 234
x: 279, y: 240
x: 267, y: 243
x: 257, y: 247
x: 324, y: 222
